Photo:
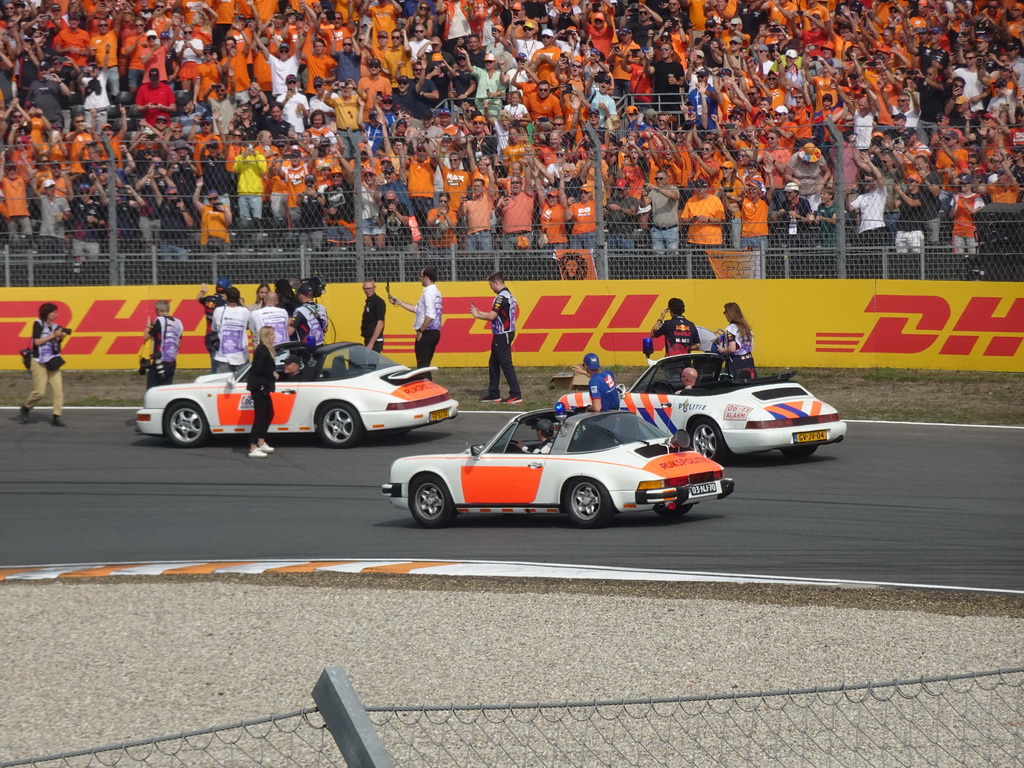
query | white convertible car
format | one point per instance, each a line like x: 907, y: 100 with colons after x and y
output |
x: 594, y: 466
x: 341, y: 392
x: 728, y: 416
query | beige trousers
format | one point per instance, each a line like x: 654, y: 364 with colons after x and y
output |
x: 41, y: 376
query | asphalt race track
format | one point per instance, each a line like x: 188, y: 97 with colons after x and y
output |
x: 927, y: 505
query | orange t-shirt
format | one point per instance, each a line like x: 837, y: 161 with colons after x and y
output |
x: 584, y: 217
x: 704, y: 233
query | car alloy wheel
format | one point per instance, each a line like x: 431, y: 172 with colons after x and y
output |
x: 186, y: 425
x: 587, y: 504
x: 339, y: 426
x: 430, y: 502
x: 707, y: 440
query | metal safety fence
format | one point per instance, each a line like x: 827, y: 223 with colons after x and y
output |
x: 544, y: 203
x: 959, y: 720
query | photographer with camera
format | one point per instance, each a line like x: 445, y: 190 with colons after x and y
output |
x: 166, y: 332
x: 46, y: 362
x: 214, y: 220
x: 308, y: 322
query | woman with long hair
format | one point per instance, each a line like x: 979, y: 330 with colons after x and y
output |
x: 261, y: 297
x: 737, y: 344
x: 260, y: 384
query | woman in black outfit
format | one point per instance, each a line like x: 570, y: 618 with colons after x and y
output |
x: 260, y: 384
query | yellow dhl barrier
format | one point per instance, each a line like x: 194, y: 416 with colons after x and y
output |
x: 811, y: 323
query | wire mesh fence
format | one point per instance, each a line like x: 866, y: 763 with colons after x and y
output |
x: 291, y: 739
x: 960, y: 720
x: 556, y: 201
x: 967, y: 720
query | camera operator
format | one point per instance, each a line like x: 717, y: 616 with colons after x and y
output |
x: 165, y: 331
x: 309, y: 320
x: 45, y: 364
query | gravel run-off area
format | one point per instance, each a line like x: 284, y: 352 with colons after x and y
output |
x: 86, y: 663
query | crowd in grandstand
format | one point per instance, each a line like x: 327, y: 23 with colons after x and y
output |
x: 481, y: 125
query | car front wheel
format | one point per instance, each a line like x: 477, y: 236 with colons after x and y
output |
x: 707, y: 439
x: 430, y: 502
x: 587, y: 504
x: 186, y: 426
x: 339, y: 426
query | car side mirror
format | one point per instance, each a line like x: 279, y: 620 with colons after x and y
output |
x: 476, y: 450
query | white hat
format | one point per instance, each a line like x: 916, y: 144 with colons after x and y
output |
x: 792, y: 187
x: 782, y: 109
x: 791, y: 53
x: 546, y: 31
x: 49, y: 183
x: 736, y: 21
x: 993, y: 179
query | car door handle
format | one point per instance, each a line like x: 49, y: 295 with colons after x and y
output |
x: 535, y: 465
x: 287, y: 391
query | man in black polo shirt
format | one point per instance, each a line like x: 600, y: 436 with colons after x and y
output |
x: 372, y: 324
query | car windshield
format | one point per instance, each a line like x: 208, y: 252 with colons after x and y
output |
x: 352, y: 360
x: 667, y: 378
x: 608, y: 430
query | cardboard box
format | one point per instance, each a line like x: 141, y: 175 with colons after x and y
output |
x: 570, y: 381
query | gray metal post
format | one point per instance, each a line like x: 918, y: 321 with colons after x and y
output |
x: 357, y: 193
x: 304, y: 266
x: 7, y: 266
x: 154, y: 273
x: 112, y: 253
x: 346, y: 719
x: 839, y: 178
x: 600, y: 251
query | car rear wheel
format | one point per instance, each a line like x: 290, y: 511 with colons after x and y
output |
x: 587, y: 504
x: 678, y: 511
x: 707, y: 439
x: 339, y: 425
x: 186, y: 426
x: 798, y: 451
x: 430, y: 502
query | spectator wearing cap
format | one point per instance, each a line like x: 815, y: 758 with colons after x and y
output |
x: 583, y: 215
x: 157, y: 55
x: 754, y: 215
x: 155, y: 98
x: 294, y: 105
x: 208, y: 74
x: 54, y: 213
x: 372, y: 87
x: 809, y: 169
x: 662, y: 200
x: 868, y: 200
x: 521, y: 38
x: 103, y: 51
x: 282, y: 63
x: 703, y: 214
x: 491, y: 86
x: 73, y: 40
x: 92, y: 86
x: 911, y: 223
x: 215, y: 219
x: 88, y: 222
x: 47, y: 92
x: 790, y: 215
x: 966, y: 202
x: 176, y: 223
x: 704, y: 99
x: 604, y: 394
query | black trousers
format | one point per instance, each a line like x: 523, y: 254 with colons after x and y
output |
x: 500, y: 363
x: 378, y: 345
x: 263, y: 414
x: 424, y: 349
x: 153, y: 380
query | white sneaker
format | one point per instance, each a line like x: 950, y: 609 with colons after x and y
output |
x: 265, y: 448
x: 257, y: 454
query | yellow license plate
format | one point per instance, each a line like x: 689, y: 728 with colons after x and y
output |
x: 811, y: 437
x: 439, y: 415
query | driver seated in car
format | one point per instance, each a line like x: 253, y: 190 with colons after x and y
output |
x: 292, y: 369
x: 545, y: 434
x: 689, y: 378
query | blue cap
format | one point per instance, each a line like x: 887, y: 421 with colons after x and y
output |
x: 212, y: 193
x: 591, y: 362
x: 223, y: 283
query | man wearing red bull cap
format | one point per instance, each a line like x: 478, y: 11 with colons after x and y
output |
x: 604, y: 394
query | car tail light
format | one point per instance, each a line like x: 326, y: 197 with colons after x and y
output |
x: 406, y: 405
x: 649, y: 485
x: 705, y: 477
x: 799, y: 422
x: 142, y: 417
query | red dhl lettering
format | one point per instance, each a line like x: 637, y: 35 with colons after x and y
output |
x: 919, y: 322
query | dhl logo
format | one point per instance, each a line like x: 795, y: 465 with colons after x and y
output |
x: 910, y: 325
x: 566, y: 324
x: 103, y: 327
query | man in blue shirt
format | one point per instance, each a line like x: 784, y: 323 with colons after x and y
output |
x: 604, y: 395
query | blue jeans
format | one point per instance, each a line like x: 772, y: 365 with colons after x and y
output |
x: 619, y: 243
x: 479, y: 242
x: 250, y: 207
x: 754, y: 243
x: 665, y: 239
x: 582, y: 241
